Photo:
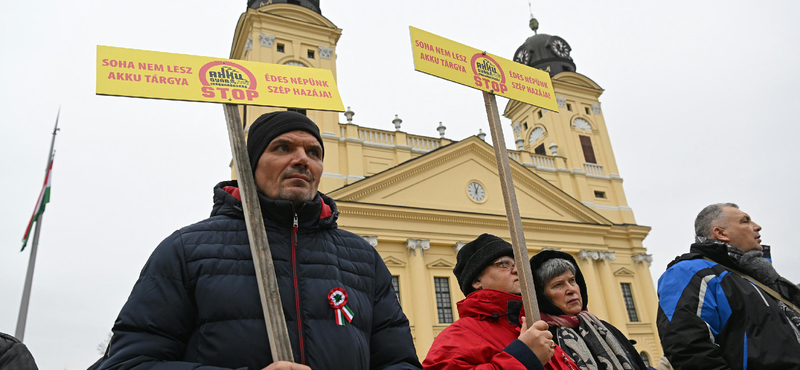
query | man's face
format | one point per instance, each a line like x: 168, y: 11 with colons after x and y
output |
x: 738, y: 230
x: 499, y: 276
x: 290, y: 168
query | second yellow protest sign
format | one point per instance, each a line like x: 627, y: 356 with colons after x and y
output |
x: 157, y: 75
x: 468, y: 66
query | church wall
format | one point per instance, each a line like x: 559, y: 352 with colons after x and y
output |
x: 417, y: 227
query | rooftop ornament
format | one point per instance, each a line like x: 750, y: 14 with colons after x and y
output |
x: 441, y: 129
x: 349, y: 114
x: 397, y: 121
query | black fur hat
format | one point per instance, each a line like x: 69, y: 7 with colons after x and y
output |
x: 475, y: 256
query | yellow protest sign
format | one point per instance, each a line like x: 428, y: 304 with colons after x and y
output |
x: 157, y: 75
x: 441, y: 57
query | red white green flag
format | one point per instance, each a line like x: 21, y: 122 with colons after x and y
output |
x: 44, y: 198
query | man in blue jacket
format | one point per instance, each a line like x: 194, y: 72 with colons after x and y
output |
x: 196, y: 304
x: 723, y: 305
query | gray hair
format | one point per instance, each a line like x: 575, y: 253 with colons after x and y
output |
x: 552, y: 268
x: 709, y: 218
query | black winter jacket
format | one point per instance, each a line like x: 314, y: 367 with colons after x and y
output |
x: 710, y: 318
x: 196, y: 304
x: 14, y: 355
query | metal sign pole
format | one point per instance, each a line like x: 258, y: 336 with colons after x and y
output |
x: 512, y: 210
x: 280, y: 345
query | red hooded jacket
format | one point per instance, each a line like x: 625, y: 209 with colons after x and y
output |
x: 484, y: 337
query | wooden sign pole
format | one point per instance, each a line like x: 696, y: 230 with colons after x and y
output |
x: 280, y: 345
x: 512, y: 211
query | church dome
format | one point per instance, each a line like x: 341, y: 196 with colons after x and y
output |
x: 310, y: 4
x: 548, y: 53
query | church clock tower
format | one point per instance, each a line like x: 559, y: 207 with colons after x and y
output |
x: 575, y: 139
x: 291, y: 32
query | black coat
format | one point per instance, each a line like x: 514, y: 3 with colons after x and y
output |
x: 14, y: 355
x: 710, y: 318
x: 196, y: 302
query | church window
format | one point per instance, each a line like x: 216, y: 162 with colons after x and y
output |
x: 629, y: 305
x: 535, y: 135
x: 588, y: 151
x: 540, y: 114
x: 280, y: 48
x: 396, y: 286
x: 600, y: 194
x: 587, y: 110
x: 582, y: 124
x: 539, y: 150
x: 311, y: 54
x: 525, y: 125
x: 443, y: 306
x: 645, y: 358
x: 569, y: 107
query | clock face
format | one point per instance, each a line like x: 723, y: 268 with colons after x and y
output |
x: 523, y: 56
x: 476, y: 191
x: 561, y: 48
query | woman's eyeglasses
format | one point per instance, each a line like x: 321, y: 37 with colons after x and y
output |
x: 506, y: 264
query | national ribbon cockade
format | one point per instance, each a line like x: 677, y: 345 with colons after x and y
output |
x: 337, y: 298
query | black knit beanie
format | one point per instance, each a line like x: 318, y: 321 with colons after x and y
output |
x: 271, y: 125
x: 476, y: 256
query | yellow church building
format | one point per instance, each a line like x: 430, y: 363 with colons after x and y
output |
x: 418, y: 199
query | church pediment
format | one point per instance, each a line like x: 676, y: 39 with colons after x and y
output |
x: 463, y: 177
x: 623, y: 272
x: 441, y: 263
x: 393, y: 261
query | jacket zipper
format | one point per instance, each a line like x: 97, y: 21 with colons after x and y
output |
x: 297, y: 290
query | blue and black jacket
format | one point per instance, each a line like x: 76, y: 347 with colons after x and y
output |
x: 710, y: 318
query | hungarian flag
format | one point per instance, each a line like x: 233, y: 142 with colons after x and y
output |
x: 44, y: 198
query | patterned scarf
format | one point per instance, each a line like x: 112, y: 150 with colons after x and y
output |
x: 589, y: 343
x: 754, y: 264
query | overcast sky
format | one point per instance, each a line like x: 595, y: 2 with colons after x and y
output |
x: 697, y: 103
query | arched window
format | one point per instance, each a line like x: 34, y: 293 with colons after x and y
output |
x: 582, y: 124
x: 535, y: 135
x: 645, y: 358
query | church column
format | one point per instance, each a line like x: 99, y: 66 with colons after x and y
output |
x: 417, y: 271
x: 644, y: 281
x: 613, y: 293
x: 593, y: 288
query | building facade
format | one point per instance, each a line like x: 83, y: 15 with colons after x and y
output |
x: 418, y: 199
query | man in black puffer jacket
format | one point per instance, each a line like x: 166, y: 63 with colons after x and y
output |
x: 196, y: 304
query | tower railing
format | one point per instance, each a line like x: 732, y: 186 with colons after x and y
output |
x: 543, y: 161
x: 594, y: 169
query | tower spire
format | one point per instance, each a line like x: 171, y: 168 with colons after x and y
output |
x: 533, y: 23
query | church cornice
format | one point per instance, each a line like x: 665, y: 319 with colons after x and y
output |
x: 429, y: 215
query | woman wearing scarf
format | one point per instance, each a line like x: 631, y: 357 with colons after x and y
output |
x: 491, y: 332
x: 592, y: 343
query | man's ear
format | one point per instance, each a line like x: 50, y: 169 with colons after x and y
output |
x: 720, y: 234
x: 477, y: 284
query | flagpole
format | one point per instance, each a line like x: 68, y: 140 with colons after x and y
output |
x: 26, y: 291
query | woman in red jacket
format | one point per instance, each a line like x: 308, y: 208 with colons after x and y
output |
x: 491, y: 332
